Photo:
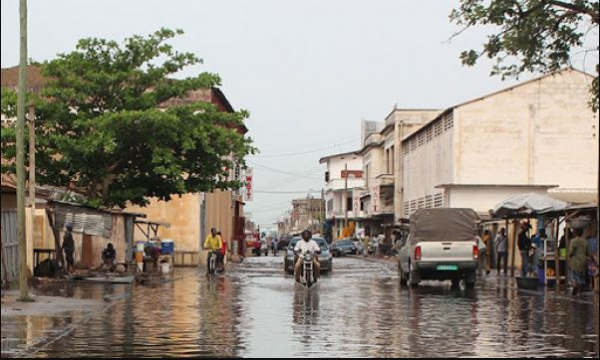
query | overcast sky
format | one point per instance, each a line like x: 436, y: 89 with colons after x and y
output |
x: 308, y: 71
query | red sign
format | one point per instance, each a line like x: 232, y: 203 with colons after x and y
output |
x: 249, y: 188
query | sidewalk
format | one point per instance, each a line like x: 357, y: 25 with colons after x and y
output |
x: 28, y: 327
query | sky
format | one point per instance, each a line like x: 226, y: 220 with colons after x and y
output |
x: 307, y: 71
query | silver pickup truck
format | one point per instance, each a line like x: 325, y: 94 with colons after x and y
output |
x: 442, y: 245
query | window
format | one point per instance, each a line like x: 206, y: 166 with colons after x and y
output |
x: 330, y: 205
x: 326, y: 176
x: 437, y: 128
x: 449, y: 121
x: 391, y: 167
x: 349, y: 204
x: 367, y: 173
x: 439, y: 200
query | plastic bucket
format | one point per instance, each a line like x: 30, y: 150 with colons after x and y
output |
x: 165, y: 268
x: 167, y: 246
x: 139, y: 245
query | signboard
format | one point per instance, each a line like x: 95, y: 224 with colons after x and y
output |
x: 249, y: 185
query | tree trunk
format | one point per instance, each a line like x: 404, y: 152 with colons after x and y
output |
x: 56, y: 233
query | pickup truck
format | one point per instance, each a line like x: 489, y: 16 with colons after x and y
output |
x: 442, y: 245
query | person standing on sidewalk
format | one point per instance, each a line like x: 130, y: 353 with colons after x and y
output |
x: 524, y: 244
x: 69, y: 248
x: 502, y: 250
x: 578, y: 255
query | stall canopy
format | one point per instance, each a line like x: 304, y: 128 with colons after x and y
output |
x: 528, y: 204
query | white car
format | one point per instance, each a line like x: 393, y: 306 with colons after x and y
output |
x: 442, y: 245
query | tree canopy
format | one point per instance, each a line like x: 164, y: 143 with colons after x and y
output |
x: 533, y: 35
x: 103, y: 129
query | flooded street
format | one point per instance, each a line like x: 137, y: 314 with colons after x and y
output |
x: 359, y: 310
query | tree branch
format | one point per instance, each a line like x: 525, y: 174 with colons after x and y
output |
x: 577, y: 9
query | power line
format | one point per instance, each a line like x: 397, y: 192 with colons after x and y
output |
x: 286, y: 192
x: 312, y: 176
x: 308, y: 151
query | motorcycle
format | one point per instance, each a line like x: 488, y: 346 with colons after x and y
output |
x: 307, y: 278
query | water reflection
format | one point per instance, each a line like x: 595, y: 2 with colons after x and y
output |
x: 358, y: 311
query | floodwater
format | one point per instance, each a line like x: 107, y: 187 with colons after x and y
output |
x: 359, y: 310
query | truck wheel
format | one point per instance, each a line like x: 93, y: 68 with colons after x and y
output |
x: 403, y: 280
x: 471, y: 279
x: 413, y: 277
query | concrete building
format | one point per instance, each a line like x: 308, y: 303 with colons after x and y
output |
x: 537, y: 136
x: 343, y: 185
x: 307, y: 214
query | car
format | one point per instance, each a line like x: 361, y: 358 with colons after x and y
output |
x: 343, y: 247
x: 325, y: 259
x: 283, y: 242
x: 442, y: 245
x: 254, y: 244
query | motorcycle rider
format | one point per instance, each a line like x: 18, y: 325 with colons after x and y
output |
x: 304, y: 246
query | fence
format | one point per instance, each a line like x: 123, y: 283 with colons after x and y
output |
x: 10, y: 243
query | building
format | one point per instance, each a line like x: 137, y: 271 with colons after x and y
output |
x: 343, y: 181
x: 192, y: 215
x: 536, y: 136
x: 306, y: 214
x: 382, y: 162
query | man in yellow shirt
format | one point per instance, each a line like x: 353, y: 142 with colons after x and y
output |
x: 213, y: 243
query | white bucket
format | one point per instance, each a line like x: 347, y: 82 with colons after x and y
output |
x: 165, y: 268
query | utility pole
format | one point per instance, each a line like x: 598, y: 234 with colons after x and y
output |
x: 322, y: 213
x: 346, y: 196
x: 31, y: 199
x: 23, y: 278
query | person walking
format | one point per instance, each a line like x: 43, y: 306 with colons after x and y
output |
x: 502, y: 251
x: 69, y: 248
x: 578, y: 255
x: 482, y: 258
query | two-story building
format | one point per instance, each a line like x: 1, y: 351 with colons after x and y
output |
x: 343, y: 181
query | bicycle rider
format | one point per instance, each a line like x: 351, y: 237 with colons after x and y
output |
x: 213, y: 244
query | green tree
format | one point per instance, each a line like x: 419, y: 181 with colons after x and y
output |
x: 532, y: 35
x: 104, y: 132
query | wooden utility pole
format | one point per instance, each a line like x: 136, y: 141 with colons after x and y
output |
x: 23, y: 278
x: 31, y: 199
x: 345, y: 202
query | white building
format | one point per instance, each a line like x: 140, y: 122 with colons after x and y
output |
x: 343, y: 176
x: 534, y: 136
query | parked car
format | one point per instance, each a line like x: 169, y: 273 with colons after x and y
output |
x: 442, y: 245
x: 283, y: 242
x: 325, y: 259
x: 343, y: 247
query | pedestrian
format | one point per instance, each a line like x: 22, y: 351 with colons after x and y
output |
x: 487, y: 240
x: 578, y: 254
x: 537, y: 243
x: 274, y: 246
x: 69, y: 248
x: 482, y: 258
x: 502, y: 250
x: 592, y: 241
x: 524, y: 245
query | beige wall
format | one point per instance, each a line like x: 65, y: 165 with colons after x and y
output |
x: 540, y: 133
x: 183, y: 213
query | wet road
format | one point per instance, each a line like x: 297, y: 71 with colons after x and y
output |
x: 360, y: 310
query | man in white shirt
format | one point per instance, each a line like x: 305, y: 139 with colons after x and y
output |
x: 303, y: 246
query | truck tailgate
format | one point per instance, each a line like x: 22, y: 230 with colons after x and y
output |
x: 444, y: 252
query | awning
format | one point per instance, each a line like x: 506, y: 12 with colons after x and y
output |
x: 528, y: 204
